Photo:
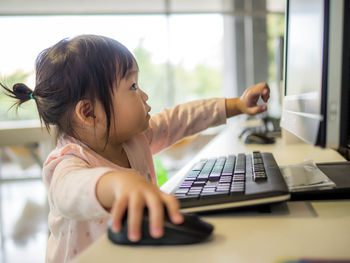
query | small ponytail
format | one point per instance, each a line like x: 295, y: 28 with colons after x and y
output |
x: 19, y: 91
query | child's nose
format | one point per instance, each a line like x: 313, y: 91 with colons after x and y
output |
x: 144, y: 95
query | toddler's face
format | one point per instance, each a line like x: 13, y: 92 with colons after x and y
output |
x: 131, y: 112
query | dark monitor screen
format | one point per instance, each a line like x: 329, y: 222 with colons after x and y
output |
x: 305, y: 48
x: 316, y: 72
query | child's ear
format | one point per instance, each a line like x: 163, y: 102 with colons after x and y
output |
x: 84, y: 110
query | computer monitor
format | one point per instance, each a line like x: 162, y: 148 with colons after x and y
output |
x: 316, y: 72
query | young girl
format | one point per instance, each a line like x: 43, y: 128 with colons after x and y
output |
x: 87, y: 87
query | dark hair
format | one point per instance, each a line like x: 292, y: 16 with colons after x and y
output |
x: 85, y: 67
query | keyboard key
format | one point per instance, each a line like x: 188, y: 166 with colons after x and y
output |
x: 207, y: 168
x: 240, y: 164
x: 184, y: 185
x: 211, y: 184
x: 193, y: 174
x: 228, y: 171
x: 221, y: 160
x: 259, y: 176
x: 257, y: 160
x: 223, y: 189
x: 209, y: 164
x: 217, y: 169
x: 224, y: 184
x: 226, y: 179
x: 190, y: 179
x: 249, y: 166
x: 237, y: 186
x: 258, y: 167
x: 238, y: 183
x: 182, y: 191
x: 199, y: 166
x: 196, y: 187
x: 215, y: 176
x: 239, y: 177
x: 208, y: 190
x: 256, y: 154
x: 229, y: 165
x: 193, y: 194
x: 203, y: 177
x: 198, y: 183
x: 236, y: 191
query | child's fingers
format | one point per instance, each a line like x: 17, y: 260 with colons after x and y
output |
x: 260, y: 89
x: 135, y: 214
x: 172, y: 206
x: 251, y: 97
x: 263, y: 90
x: 256, y: 109
x: 117, y: 213
x: 265, y: 95
x: 156, y: 215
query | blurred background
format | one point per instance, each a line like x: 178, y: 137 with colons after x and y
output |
x: 186, y: 50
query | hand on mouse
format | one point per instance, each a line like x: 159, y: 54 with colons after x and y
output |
x: 247, y: 103
x: 133, y: 192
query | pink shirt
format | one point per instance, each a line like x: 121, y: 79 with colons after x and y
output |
x: 71, y: 171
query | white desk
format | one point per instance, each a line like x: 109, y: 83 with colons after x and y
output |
x: 227, y: 142
x: 25, y: 134
x: 293, y: 229
x: 22, y: 132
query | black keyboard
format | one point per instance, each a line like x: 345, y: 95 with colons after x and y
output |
x: 232, y: 181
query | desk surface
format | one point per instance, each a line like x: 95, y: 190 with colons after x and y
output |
x: 22, y: 132
x: 227, y: 142
x: 291, y: 230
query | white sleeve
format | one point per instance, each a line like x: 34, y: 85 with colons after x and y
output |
x: 72, y: 189
x: 183, y: 120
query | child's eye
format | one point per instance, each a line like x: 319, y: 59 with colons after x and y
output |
x: 133, y: 86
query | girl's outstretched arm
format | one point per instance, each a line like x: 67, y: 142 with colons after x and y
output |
x: 186, y: 119
x: 128, y: 190
x: 171, y: 125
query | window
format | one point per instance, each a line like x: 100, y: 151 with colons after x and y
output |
x: 177, y: 54
x: 184, y: 50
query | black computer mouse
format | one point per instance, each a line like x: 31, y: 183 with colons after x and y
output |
x: 258, y: 138
x: 192, y: 230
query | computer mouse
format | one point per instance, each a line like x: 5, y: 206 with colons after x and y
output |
x: 258, y: 138
x: 192, y: 230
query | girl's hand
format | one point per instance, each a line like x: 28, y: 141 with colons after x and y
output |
x: 247, y: 103
x: 249, y: 99
x: 133, y: 192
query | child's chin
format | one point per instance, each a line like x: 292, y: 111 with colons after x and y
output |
x: 146, y: 125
